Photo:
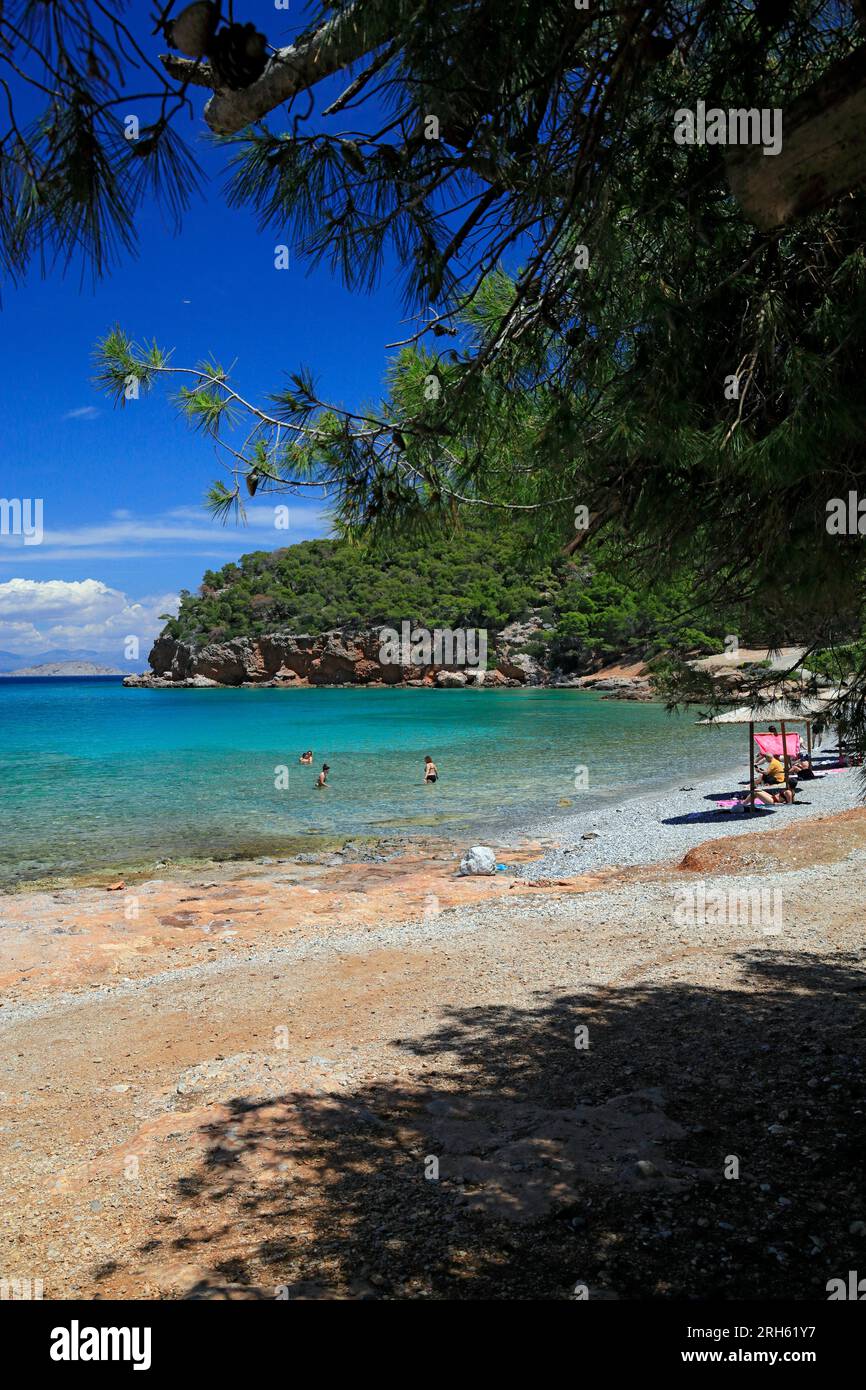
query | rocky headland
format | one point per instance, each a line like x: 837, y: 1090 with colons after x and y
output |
x: 340, y: 658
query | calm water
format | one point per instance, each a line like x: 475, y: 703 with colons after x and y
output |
x: 98, y: 777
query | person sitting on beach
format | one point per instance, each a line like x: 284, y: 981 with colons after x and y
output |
x: 779, y: 787
x: 431, y: 771
x: 306, y: 757
x: 803, y: 766
x: 322, y: 779
x: 767, y: 796
x: 774, y: 771
x: 775, y: 788
x: 750, y: 799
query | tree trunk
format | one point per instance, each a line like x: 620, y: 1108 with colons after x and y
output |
x: 823, y: 153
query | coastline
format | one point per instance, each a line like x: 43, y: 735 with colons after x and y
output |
x: 246, y: 1075
x: 249, y: 1062
x: 509, y: 832
x: 660, y: 822
x: 191, y: 777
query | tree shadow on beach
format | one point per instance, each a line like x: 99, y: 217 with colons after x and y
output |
x: 512, y: 1161
x: 719, y: 817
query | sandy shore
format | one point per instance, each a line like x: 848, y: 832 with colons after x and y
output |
x: 373, y: 1080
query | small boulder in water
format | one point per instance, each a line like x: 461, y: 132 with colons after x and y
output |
x: 479, y: 860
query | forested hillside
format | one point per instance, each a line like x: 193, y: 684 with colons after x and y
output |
x: 576, y: 613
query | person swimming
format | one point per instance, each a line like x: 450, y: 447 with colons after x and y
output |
x: 431, y: 771
x: 306, y: 757
x: 322, y: 779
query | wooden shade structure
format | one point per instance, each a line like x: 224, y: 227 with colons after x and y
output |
x: 779, y: 712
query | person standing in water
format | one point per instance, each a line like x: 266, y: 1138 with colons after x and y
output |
x: 431, y: 772
x: 322, y: 779
x: 306, y: 757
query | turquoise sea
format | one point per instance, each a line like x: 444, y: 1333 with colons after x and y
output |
x: 97, y: 777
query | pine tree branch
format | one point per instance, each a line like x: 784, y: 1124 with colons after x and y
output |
x: 344, y: 39
x: 191, y: 71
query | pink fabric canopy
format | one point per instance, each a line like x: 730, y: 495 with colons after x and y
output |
x: 772, y: 743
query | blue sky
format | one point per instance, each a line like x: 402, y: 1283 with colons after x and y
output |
x: 124, y: 528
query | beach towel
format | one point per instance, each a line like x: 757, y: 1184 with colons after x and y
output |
x: 772, y: 743
x: 730, y: 805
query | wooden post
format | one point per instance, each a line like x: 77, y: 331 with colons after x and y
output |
x: 752, y: 765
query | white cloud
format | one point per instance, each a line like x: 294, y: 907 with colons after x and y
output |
x: 179, y: 531
x: 50, y: 596
x: 83, y: 412
x: 40, y: 614
x: 36, y: 615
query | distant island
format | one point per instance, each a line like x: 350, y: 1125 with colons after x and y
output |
x: 63, y: 668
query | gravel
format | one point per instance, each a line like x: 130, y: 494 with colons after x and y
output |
x: 639, y: 831
x: 660, y: 826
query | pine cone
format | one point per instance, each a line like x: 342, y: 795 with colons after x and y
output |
x: 238, y: 55
x: 193, y: 30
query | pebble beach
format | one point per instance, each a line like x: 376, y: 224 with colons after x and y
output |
x: 230, y: 1081
x: 648, y: 829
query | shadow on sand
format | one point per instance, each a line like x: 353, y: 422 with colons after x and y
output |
x: 558, y: 1165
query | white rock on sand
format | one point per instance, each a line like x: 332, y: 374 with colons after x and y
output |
x: 479, y: 860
